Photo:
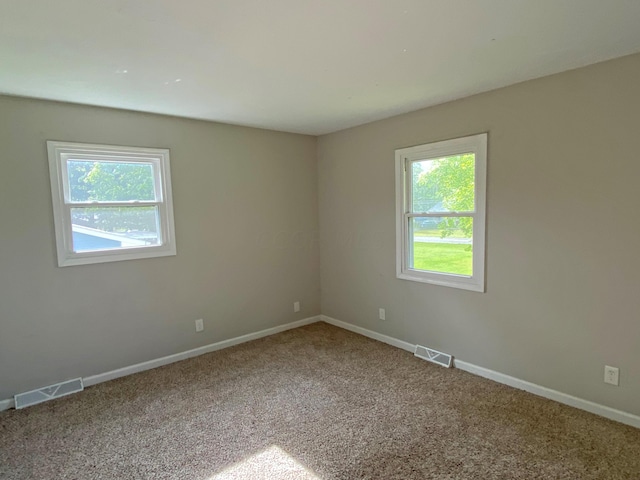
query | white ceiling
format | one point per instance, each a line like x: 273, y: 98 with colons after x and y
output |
x: 308, y: 66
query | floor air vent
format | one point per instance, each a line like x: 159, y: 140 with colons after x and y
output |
x: 40, y: 395
x: 432, y: 355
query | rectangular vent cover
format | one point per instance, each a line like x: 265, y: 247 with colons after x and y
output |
x: 432, y: 355
x: 40, y: 395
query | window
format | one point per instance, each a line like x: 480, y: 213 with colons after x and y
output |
x: 110, y: 203
x: 440, y: 212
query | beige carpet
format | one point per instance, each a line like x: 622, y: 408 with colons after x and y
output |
x: 315, y: 403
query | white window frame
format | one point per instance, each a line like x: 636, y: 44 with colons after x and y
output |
x: 476, y: 144
x: 60, y: 152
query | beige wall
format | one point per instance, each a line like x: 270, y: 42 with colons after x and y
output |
x: 245, y: 204
x: 562, y: 260
x: 563, y: 230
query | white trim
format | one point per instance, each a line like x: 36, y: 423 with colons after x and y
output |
x: 369, y: 333
x: 176, y: 357
x: 595, y: 408
x: 7, y: 404
x: 564, y: 398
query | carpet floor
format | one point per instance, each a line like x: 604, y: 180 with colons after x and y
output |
x: 314, y: 403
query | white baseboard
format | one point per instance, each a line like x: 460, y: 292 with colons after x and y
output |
x: 6, y: 404
x: 158, y: 362
x: 370, y: 333
x: 596, y: 408
x: 602, y: 410
x: 176, y: 357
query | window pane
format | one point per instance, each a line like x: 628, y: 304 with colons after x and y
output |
x: 443, y: 184
x: 108, y: 228
x: 110, y: 181
x: 442, y: 244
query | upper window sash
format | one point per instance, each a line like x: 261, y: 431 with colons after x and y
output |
x: 155, y: 162
x: 408, y: 206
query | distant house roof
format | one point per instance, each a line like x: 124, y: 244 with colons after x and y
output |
x: 92, y: 238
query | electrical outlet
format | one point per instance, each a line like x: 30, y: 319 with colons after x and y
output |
x: 611, y: 375
x: 199, y: 325
x: 296, y: 306
x: 382, y: 314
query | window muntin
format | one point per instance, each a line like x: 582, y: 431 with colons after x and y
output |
x: 110, y: 203
x: 440, y: 190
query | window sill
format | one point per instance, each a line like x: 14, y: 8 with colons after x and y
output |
x: 444, y: 280
x: 87, y: 258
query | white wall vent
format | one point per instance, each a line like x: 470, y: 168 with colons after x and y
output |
x: 432, y: 355
x: 43, y: 394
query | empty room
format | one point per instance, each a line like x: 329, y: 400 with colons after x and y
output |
x: 320, y: 240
